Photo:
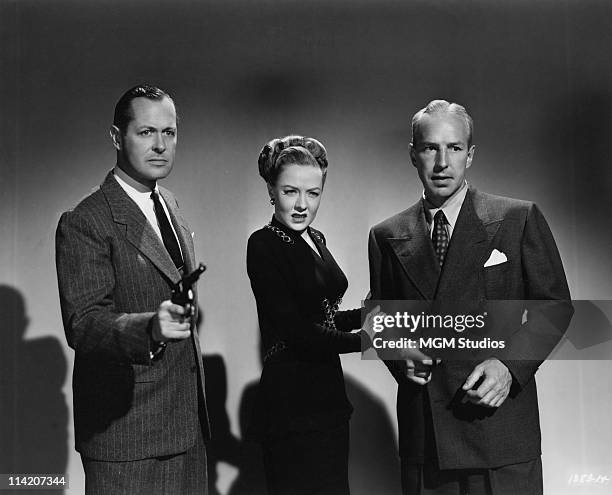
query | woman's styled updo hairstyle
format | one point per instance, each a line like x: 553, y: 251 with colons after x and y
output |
x: 290, y: 150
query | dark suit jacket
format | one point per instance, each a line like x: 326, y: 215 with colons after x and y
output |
x: 302, y: 385
x: 403, y: 266
x: 113, y: 272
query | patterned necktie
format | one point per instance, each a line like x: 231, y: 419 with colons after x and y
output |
x: 440, y: 236
x: 167, y: 233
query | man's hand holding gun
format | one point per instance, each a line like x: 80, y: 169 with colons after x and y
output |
x: 173, y: 318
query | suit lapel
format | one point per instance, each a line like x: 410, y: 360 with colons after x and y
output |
x: 138, y: 230
x: 468, y: 248
x: 182, y: 230
x: 413, y: 248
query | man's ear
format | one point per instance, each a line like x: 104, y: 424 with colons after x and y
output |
x: 115, y: 135
x: 470, y: 156
x: 412, y: 155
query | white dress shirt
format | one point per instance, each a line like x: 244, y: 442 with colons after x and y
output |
x: 451, y: 208
x: 141, y: 195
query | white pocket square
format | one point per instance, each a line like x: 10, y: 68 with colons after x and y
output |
x: 496, y: 258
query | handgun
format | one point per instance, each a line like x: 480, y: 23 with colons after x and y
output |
x: 423, y: 370
x: 182, y: 292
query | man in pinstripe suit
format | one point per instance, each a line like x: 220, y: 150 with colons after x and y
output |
x: 138, y: 382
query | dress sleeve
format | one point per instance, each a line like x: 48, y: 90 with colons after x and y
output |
x: 348, y: 320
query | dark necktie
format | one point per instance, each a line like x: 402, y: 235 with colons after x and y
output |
x: 166, y: 231
x: 440, y: 236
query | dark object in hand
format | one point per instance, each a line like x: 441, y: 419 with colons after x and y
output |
x: 182, y: 292
x: 423, y: 370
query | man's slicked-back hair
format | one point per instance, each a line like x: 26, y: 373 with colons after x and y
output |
x: 123, y: 108
x: 442, y: 106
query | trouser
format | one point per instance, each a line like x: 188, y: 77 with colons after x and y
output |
x: 183, y: 474
x: 514, y: 479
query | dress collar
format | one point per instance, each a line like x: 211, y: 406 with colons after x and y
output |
x: 294, y: 234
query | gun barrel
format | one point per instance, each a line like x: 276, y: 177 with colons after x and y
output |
x: 193, y: 277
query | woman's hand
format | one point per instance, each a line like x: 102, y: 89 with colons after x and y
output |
x: 368, y: 323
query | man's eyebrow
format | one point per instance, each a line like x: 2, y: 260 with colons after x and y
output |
x: 150, y: 126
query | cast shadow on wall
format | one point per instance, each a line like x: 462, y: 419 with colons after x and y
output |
x: 579, y: 158
x: 33, y: 410
x: 245, y: 456
x: 373, y: 464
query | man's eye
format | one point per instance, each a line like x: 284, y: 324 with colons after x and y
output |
x: 456, y: 148
x: 313, y: 194
x: 170, y: 132
x: 146, y: 132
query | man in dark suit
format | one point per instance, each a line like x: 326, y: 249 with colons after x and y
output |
x: 138, y: 382
x: 469, y: 426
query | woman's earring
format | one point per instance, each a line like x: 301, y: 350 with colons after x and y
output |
x: 272, y: 202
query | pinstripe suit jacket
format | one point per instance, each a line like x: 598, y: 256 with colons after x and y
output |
x: 113, y: 272
x: 403, y: 266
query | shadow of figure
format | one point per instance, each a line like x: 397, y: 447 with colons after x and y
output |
x: 33, y: 410
x: 373, y: 461
x: 251, y: 479
x: 223, y: 446
x: 245, y: 456
x: 590, y: 326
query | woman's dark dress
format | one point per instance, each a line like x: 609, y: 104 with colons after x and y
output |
x: 302, y: 412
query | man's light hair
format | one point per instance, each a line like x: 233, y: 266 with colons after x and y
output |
x: 442, y: 106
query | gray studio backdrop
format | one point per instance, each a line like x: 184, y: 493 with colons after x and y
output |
x: 535, y: 75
